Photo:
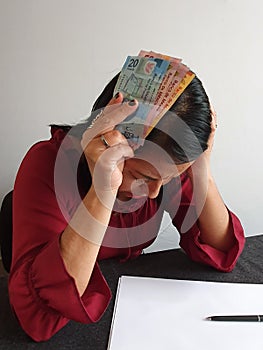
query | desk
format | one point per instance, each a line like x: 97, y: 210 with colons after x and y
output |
x: 166, y: 264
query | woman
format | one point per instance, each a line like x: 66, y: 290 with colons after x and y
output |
x: 86, y: 195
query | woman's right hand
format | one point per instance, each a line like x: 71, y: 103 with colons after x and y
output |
x: 82, y: 238
x: 106, y: 163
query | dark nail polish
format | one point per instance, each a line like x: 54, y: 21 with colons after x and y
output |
x: 117, y: 95
x: 125, y: 100
x: 132, y: 103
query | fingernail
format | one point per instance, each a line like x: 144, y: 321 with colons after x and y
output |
x: 117, y: 95
x: 125, y: 100
x: 132, y: 103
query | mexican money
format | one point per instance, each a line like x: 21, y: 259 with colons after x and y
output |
x: 156, y: 81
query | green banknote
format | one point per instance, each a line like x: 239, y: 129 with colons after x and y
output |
x: 140, y: 79
x: 156, y: 81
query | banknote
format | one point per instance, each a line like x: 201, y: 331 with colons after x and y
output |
x: 156, y: 81
x: 140, y: 79
x: 168, y: 92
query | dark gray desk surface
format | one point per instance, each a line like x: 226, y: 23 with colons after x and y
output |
x: 166, y: 264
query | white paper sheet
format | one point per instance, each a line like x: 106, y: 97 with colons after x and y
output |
x: 152, y: 313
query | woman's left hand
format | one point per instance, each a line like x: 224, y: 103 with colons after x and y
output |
x: 213, y: 130
x: 213, y: 217
x: 201, y: 166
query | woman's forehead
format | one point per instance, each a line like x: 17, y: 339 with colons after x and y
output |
x: 155, y: 168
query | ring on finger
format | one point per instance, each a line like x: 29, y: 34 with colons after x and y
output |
x: 104, y: 141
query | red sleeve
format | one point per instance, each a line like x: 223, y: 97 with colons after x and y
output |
x: 185, y: 220
x: 43, y: 295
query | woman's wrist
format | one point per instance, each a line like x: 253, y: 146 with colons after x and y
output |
x: 98, y: 201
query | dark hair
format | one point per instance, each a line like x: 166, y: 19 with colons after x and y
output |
x: 182, y: 132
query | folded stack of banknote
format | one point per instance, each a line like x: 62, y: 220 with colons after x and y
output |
x: 156, y: 81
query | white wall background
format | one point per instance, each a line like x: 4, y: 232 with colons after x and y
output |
x: 57, y: 55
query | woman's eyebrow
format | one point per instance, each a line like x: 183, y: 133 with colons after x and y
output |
x: 150, y: 177
x: 147, y: 176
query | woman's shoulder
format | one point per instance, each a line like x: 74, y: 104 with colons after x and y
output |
x: 44, y: 153
x: 44, y: 148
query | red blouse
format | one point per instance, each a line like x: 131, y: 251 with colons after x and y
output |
x: 43, y: 295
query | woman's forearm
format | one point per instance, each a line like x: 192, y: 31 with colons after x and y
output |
x: 214, y: 221
x: 81, y: 240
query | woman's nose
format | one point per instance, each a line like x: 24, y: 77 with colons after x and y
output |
x: 150, y: 189
x: 154, y: 188
x: 139, y: 188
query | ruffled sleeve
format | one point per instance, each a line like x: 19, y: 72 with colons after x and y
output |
x: 43, y: 295
x: 184, y: 218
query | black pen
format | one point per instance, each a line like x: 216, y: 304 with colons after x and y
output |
x: 237, y: 318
